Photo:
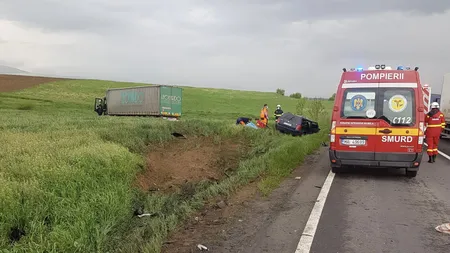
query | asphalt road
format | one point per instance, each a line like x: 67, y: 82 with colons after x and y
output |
x: 382, y: 211
x: 365, y: 211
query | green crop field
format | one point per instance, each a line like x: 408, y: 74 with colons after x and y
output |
x: 66, y: 174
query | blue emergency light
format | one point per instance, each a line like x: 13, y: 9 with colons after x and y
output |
x: 403, y: 68
x: 359, y: 69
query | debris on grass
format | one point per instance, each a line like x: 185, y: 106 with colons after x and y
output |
x: 443, y: 228
x: 202, y: 247
x: 144, y: 214
x: 178, y: 135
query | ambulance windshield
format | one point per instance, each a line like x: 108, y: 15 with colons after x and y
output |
x: 393, y: 105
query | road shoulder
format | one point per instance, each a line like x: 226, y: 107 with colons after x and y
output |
x: 249, y: 222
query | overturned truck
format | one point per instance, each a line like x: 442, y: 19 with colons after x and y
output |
x: 155, y: 100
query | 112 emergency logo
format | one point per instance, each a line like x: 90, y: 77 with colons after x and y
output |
x: 358, y: 103
x: 398, y: 103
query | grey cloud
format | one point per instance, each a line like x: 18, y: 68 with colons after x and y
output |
x: 248, y: 44
x: 331, y: 9
x: 62, y: 15
x: 265, y: 16
x: 253, y: 16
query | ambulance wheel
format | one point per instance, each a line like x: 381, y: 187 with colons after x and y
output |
x: 336, y: 170
x: 411, y: 173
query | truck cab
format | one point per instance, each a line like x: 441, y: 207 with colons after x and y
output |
x: 445, y: 105
x: 378, y: 119
x: 100, y: 106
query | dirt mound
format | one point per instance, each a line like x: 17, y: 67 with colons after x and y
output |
x: 173, y: 164
x: 19, y: 82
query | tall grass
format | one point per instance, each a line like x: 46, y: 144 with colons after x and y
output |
x: 66, y: 174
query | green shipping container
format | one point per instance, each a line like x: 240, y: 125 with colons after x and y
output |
x: 170, y: 100
x: 157, y: 100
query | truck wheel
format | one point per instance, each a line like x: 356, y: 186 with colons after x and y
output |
x: 411, y: 174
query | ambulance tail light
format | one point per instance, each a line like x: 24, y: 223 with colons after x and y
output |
x: 333, y: 132
x: 421, y: 132
x: 420, y: 142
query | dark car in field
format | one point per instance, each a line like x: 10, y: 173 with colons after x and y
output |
x: 296, y: 125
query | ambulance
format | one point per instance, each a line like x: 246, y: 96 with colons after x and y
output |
x: 378, y: 119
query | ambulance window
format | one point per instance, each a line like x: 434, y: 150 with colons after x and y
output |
x: 398, y: 106
x: 357, y: 102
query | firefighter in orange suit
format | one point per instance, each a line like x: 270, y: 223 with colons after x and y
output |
x: 435, y: 122
x: 264, y: 115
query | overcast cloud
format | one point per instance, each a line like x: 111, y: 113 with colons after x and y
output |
x: 297, y: 45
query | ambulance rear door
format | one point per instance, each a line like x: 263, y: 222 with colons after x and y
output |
x: 356, y: 130
x: 398, y: 122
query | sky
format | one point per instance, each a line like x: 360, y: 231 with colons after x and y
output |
x: 296, y: 45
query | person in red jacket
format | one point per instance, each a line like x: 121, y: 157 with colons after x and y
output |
x: 435, y: 122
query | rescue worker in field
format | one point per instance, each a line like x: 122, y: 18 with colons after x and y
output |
x: 264, y: 115
x: 435, y: 122
x: 278, y: 112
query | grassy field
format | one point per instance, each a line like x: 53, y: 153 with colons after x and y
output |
x: 66, y: 175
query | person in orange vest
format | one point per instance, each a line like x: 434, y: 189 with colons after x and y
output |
x: 435, y: 122
x: 264, y: 115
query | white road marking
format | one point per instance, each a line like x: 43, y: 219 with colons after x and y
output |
x: 441, y: 153
x: 306, y: 240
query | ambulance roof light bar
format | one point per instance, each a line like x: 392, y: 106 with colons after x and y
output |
x: 380, y: 67
x: 383, y: 66
x: 359, y: 69
x: 407, y: 68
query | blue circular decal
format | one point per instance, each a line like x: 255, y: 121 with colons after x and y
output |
x: 358, y: 103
